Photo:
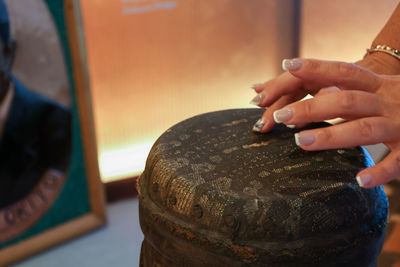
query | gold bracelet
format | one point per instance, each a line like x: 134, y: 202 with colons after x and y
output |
x: 384, y: 49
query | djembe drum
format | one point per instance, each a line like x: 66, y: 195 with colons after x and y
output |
x: 214, y: 193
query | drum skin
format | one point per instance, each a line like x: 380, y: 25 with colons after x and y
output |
x: 214, y: 193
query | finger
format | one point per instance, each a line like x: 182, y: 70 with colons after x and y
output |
x: 258, y: 87
x: 366, y: 131
x: 348, y: 76
x: 285, y: 84
x: 385, y: 171
x: 269, y: 92
x: 343, y: 104
x: 327, y: 90
x: 266, y: 122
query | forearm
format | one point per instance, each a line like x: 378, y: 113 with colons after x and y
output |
x: 381, y: 62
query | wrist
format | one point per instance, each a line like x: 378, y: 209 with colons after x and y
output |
x: 381, y: 63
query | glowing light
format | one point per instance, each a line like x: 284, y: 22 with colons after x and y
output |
x: 125, y: 162
x: 152, y: 65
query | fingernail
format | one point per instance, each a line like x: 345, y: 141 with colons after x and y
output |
x: 257, y: 99
x: 282, y: 115
x: 291, y: 126
x: 304, y: 139
x: 256, y: 85
x: 259, y: 125
x: 331, y: 89
x: 291, y: 64
x: 364, y: 179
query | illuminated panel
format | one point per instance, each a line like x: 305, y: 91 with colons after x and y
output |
x: 342, y: 29
x: 155, y: 63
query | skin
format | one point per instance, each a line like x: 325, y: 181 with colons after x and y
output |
x: 366, y: 94
x: 369, y: 102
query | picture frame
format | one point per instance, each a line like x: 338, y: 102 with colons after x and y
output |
x: 79, y: 207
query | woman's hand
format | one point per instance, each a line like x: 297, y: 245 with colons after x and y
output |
x: 368, y: 101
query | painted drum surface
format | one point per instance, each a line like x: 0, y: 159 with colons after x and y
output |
x: 215, y: 193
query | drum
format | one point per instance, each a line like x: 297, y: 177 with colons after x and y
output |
x: 214, y: 193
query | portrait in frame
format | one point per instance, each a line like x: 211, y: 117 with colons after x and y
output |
x: 50, y: 187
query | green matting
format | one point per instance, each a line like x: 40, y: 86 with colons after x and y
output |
x: 74, y: 198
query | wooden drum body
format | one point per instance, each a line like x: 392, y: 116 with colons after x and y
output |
x: 214, y: 193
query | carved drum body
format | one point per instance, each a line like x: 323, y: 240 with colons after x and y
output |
x: 214, y: 193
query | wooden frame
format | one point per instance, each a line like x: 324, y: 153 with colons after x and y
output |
x: 96, y: 215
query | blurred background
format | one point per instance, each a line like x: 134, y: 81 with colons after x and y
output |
x: 153, y: 63
x: 38, y: 47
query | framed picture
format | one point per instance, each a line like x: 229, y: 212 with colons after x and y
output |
x: 50, y: 187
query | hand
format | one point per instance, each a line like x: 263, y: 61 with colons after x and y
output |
x: 368, y: 101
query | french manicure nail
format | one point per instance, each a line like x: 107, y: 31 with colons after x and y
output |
x: 257, y: 99
x: 259, y: 125
x: 304, y: 139
x: 282, y: 115
x: 364, y: 179
x: 291, y: 126
x: 256, y: 85
x: 291, y: 64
